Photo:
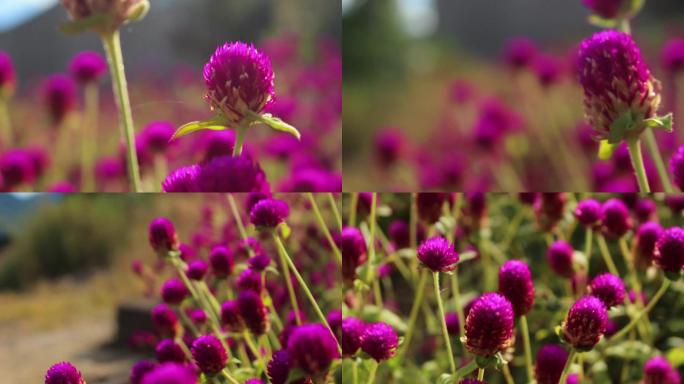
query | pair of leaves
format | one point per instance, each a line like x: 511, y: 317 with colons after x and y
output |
x: 220, y: 123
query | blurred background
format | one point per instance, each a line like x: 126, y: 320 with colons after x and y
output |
x: 420, y: 74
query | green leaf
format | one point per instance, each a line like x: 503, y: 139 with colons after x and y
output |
x: 445, y: 378
x: 620, y: 126
x: 676, y: 356
x: 140, y: 11
x: 466, y: 256
x: 606, y: 150
x: 373, y: 314
x: 216, y: 123
x: 276, y: 124
x: 75, y: 27
x: 601, y: 22
x: 664, y: 122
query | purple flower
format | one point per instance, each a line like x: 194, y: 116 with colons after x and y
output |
x: 173, y: 291
x: 16, y: 168
x: 118, y: 10
x: 259, y: 262
x: 268, y: 213
x: 59, y: 93
x: 616, y: 81
x: 677, y: 167
x: 549, y: 208
x: 489, y: 325
x: 209, y: 354
x: 156, y: 135
x: 253, y: 312
x: 165, y: 320
x: 87, y: 67
x: 607, y: 9
x: 239, y: 79
x: 616, y: 219
x: 585, y: 323
x: 353, y: 247
x: 673, y: 55
x: 219, y: 143
x: 230, y: 174
x: 515, y: 283
x: 221, y: 261
x: 8, y: 77
x: 430, y: 206
x: 438, y: 254
x: 63, y: 373
x: 170, y: 373
x: 519, y: 52
x: 250, y: 279
x: 588, y: 212
x: 658, y: 370
x: 559, y: 256
x: 352, y: 330
x: 549, y: 69
x: 399, y: 233
x: 168, y: 351
x: 230, y: 316
x: 379, y: 341
x: 162, y: 236
x: 669, y: 250
x: 644, y: 242
x: 550, y: 362
x: 609, y: 289
x: 645, y: 210
x: 183, y: 179
x: 140, y: 369
x: 62, y: 187
x: 388, y: 143
x: 278, y: 369
x: 312, y: 348
x: 254, y: 381
x: 452, y: 323
x: 197, y: 269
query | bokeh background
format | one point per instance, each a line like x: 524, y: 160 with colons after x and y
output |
x: 423, y: 67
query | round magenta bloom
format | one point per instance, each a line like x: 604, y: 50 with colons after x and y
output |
x: 312, y: 348
x: 63, y: 373
x: 519, y: 52
x: 515, y: 283
x: 140, y: 369
x: 452, y: 323
x: 268, y: 213
x: 197, y: 269
x: 551, y: 360
x: 645, y: 210
x: 16, y: 168
x: 549, y: 69
x: 229, y: 174
x: 399, y: 233
x: 239, y: 79
x: 156, y: 135
x: 254, y: 381
x: 489, y: 325
x: 673, y: 55
x: 59, y: 92
x: 8, y: 77
x: 253, y: 312
x: 352, y: 330
x: 173, y: 291
x: 677, y: 167
x: 608, y: 9
x: 644, y: 242
x: 616, y: 80
x: 183, y: 179
x: 230, y: 316
x: 353, y: 247
x: 669, y: 250
x: 209, y: 354
x: 379, y: 341
x: 221, y: 261
x: 658, y: 370
x: 588, y: 212
x: 87, y: 67
x: 162, y: 236
x: 170, y: 373
x: 430, y: 206
x: 549, y: 208
x: 608, y: 288
x: 250, y: 279
x: 616, y: 219
x: 438, y: 254
x: 165, y: 320
x: 585, y: 323
x: 259, y: 262
x: 169, y: 351
x: 559, y: 256
x: 278, y: 368
x: 388, y: 143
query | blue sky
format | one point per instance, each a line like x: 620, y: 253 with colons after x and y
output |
x: 15, y: 12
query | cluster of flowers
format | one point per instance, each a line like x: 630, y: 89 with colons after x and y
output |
x: 596, y: 299
x: 239, y: 86
x: 224, y: 317
x: 526, y: 137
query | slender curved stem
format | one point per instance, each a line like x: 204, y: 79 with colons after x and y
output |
x: 634, y: 146
x: 371, y: 240
x: 507, y: 374
x: 373, y: 371
x: 355, y: 372
x: 588, y: 244
x: 413, y: 316
x: 652, y: 146
x: 568, y: 364
x: 112, y: 46
x: 240, y: 133
x: 288, y: 280
x: 335, y: 210
x: 528, y: 348
x: 465, y: 371
x: 353, y: 204
x: 456, y: 292
x: 324, y: 227
x: 606, y: 255
x: 230, y: 378
x: 445, y: 331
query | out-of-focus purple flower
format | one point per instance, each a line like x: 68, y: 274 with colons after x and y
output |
x: 312, y: 348
x: 616, y: 80
x: 645, y: 210
x: 140, y: 369
x: 268, y: 213
x: 399, y: 234
x: 430, y: 206
x: 379, y: 341
x: 452, y: 323
x: 221, y: 261
x: 677, y: 167
x: 585, y: 323
x: 259, y: 262
x: 658, y: 370
x: 173, y: 291
x: 608, y: 288
x: 489, y: 325
x: 230, y: 316
x: 549, y: 69
x: 250, y: 279
x: 197, y: 269
x: 438, y: 254
x: 229, y: 174
x: 169, y: 351
x: 616, y: 218
x: 63, y: 373
x: 461, y: 91
x: 388, y: 144
x: 253, y: 312
x: 673, y: 55
x: 312, y: 180
x: 59, y: 93
x: 162, y: 236
x: 515, y: 283
x: 549, y: 209
x: 353, y: 247
x: 165, y: 320
x: 239, y: 79
x: 519, y: 52
x: 218, y: 144
x: 669, y: 250
x: 279, y: 367
x: 8, y: 77
x: 87, y: 67
x: 644, y: 242
x: 527, y: 198
x: 170, y: 373
x: 62, y: 187
x: 16, y: 168
x: 559, y: 256
x: 607, y: 9
x: 183, y: 179
x: 156, y: 135
x: 550, y: 362
x: 209, y: 354
x: 352, y: 330
x: 588, y: 212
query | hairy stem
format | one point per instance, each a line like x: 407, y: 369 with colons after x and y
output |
x: 445, y: 331
x: 634, y: 146
x: 526, y: 345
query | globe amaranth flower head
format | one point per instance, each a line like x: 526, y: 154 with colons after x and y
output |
x: 168, y: 351
x: 352, y: 331
x: 588, y: 212
x: 616, y: 218
x: 173, y: 291
x: 430, y: 206
x: 669, y: 251
x: 230, y: 316
x: 608, y: 288
x: 644, y: 242
x: 59, y: 93
x: 197, y: 269
x: 550, y: 362
x: 452, y: 323
x: 156, y: 136
x: 520, y: 52
x: 8, y: 77
x: 170, y: 373
x: 16, y: 169
x: 658, y: 370
x: 389, y: 145
x: 438, y: 254
x: 380, y: 341
x: 515, y: 283
x: 312, y: 348
x: 119, y: 12
x: 253, y: 312
x: 585, y: 323
x: 549, y: 208
x: 489, y: 325
x: 239, y: 79
x: 677, y: 167
x: 607, y: 9
x: 209, y: 354
x: 268, y: 213
x: 221, y: 261
x: 278, y: 369
x: 87, y: 67
x: 673, y: 55
x: 616, y: 81
x: 165, y: 320
x: 63, y: 373
x: 162, y: 236
x: 353, y: 247
x: 140, y: 369
x: 560, y: 255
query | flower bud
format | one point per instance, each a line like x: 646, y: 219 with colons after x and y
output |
x: 438, y: 254
x: 560, y: 256
x: 8, y: 77
x: 588, y: 212
x: 551, y: 360
x: 608, y: 288
x: 63, y: 373
x: 268, y: 213
x: 669, y: 250
x: 312, y: 348
x: 607, y: 9
x: 173, y: 291
x: 489, y: 325
x: 353, y: 247
x: 380, y: 341
x: 168, y: 351
x: 209, y: 354
x: 162, y: 236
x: 515, y: 283
x: 221, y: 261
x: 658, y: 370
x: 585, y: 323
x: 616, y: 219
x: 352, y: 330
x: 119, y: 12
x: 253, y: 312
x: 87, y: 67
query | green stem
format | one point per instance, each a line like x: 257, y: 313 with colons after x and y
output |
x: 526, y: 345
x: 324, y: 227
x: 373, y: 371
x: 445, y: 331
x: 112, y: 45
x: 465, y: 371
x: 507, y: 374
x: 588, y: 244
x: 336, y: 212
x: 638, y: 164
x: 303, y: 285
x: 652, y: 146
x: 413, y: 231
x: 371, y: 240
x: 352, y: 209
x: 240, y: 133
x: 238, y: 222
x: 654, y: 300
x: 5, y: 125
x: 606, y: 255
x: 288, y: 280
x: 480, y: 374
x: 355, y: 372
x: 89, y: 137
x: 413, y: 316
x: 230, y: 378
x: 568, y: 364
